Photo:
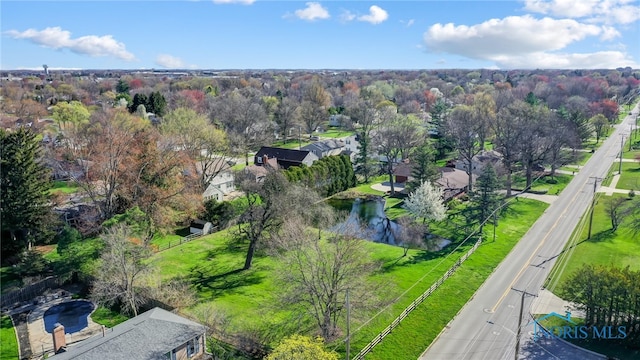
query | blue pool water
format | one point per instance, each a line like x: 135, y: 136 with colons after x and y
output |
x: 73, y: 315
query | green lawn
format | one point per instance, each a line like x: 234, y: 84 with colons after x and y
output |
x: 419, y: 329
x: 211, y: 265
x: 546, y: 185
x: 630, y: 177
x: 9, y: 343
x: 64, y: 187
x: 336, y: 133
x: 604, y: 248
x: 631, y: 154
x: 107, y: 317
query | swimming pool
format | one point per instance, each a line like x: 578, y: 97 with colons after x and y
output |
x: 73, y: 315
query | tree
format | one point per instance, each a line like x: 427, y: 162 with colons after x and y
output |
x: 485, y: 199
x: 123, y: 265
x: 300, y: 347
x: 122, y: 87
x: 204, y: 144
x: 70, y: 115
x: 364, y: 114
x: 617, y: 208
x: 506, y: 131
x: 138, y: 99
x: 464, y: 127
x: 409, y: 234
x: 315, y: 103
x: 156, y: 103
x: 287, y: 116
x: 394, y: 139
x: 600, y: 125
x: 269, y: 204
x: 426, y: 203
x: 24, y: 203
x: 315, y: 275
x: 439, y: 117
x: 423, y: 167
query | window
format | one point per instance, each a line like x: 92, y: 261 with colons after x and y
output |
x: 171, y: 355
x: 193, y: 346
x: 259, y: 158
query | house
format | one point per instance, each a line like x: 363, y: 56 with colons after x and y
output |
x: 338, y: 120
x: 286, y: 158
x: 155, y: 334
x: 480, y: 161
x: 220, y: 186
x: 257, y: 173
x: 327, y: 147
x: 453, y: 182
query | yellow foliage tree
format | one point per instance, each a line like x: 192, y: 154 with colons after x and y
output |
x: 301, y: 347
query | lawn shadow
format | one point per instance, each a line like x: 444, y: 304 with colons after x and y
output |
x: 213, y: 279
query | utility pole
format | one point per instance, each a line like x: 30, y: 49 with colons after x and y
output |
x: 593, y: 202
x: 630, y: 133
x: 494, y: 226
x: 519, y: 332
x: 348, y: 340
x: 621, y: 151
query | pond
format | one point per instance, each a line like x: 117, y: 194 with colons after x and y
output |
x: 73, y: 315
x: 367, y: 219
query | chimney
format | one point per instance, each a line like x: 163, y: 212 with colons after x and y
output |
x: 59, y: 341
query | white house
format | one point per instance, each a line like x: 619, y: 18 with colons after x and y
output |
x: 220, y: 186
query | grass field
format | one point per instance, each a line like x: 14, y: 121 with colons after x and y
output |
x: 248, y: 298
x: 546, y: 185
x: 421, y: 327
x: 107, y: 317
x: 64, y: 187
x: 8, y: 341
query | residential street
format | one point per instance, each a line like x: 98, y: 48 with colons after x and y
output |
x: 486, y: 327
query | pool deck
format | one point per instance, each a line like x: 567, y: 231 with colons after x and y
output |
x: 41, y: 341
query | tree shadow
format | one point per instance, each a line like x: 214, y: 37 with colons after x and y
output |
x: 606, y: 235
x: 215, y: 279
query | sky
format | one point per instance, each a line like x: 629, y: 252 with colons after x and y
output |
x: 262, y: 34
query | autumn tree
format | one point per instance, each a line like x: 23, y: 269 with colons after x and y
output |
x: 24, y: 204
x: 301, y: 347
x: 122, y: 267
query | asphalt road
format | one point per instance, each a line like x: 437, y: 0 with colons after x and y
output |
x: 486, y: 327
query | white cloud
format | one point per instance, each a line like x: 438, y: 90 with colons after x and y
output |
x: 92, y: 45
x: 347, y: 16
x: 169, y: 62
x: 512, y: 35
x: 409, y: 22
x: 376, y: 15
x: 524, y: 42
x: 543, y: 60
x: 608, y: 11
x: 243, y: 2
x: 313, y: 11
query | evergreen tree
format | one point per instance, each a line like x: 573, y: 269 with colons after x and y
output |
x: 122, y: 87
x: 138, y: 99
x: 24, y: 204
x: 423, y: 167
x: 156, y: 104
x: 485, y: 198
x: 364, y: 163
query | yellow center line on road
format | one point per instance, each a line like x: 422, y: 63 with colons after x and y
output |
x: 526, y: 264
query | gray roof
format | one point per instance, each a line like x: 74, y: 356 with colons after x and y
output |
x: 147, y: 336
x: 325, y: 145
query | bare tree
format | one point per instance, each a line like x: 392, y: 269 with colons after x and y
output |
x: 315, y: 103
x: 287, y: 115
x: 394, y: 139
x: 617, y: 209
x: 316, y: 275
x: 464, y: 127
x: 409, y: 234
x: 118, y: 279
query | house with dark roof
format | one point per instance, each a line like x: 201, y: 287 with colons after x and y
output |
x: 453, y: 182
x: 155, y: 334
x: 285, y: 158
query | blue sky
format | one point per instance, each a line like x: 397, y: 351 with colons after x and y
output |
x: 255, y: 34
